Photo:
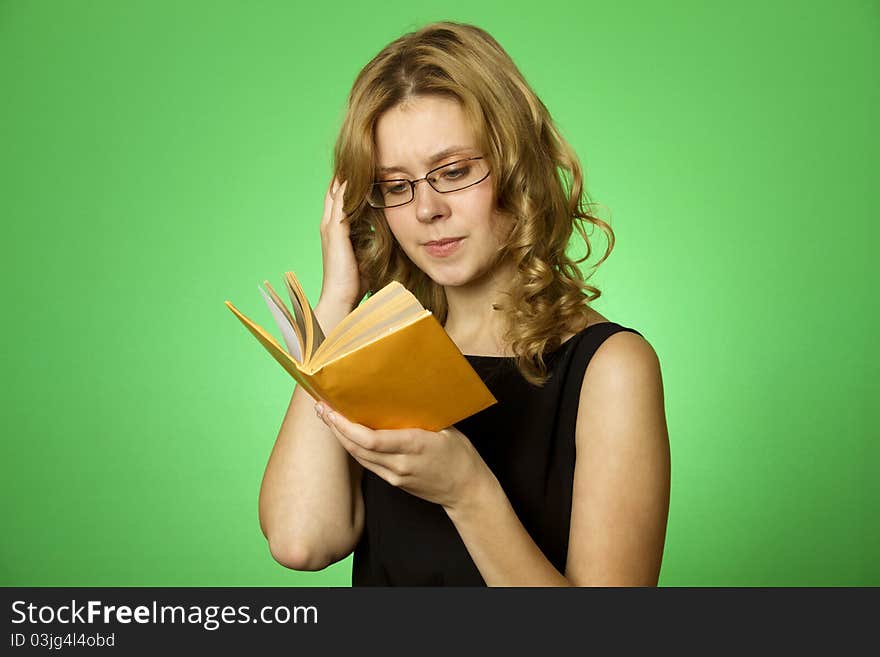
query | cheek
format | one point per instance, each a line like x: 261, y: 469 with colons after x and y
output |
x: 395, y: 224
x: 487, y: 220
x: 401, y: 230
x: 484, y: 203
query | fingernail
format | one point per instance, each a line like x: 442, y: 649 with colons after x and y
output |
x: 331, y: 416
x: 319, y: 409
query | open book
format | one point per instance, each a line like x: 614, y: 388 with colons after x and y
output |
x: 387, y: 365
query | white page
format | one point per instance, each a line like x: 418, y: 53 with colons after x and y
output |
x: 286, y: 329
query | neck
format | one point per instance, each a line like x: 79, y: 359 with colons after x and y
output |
x: 471, y: 321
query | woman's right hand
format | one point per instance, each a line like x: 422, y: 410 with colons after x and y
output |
x: 342, y: 284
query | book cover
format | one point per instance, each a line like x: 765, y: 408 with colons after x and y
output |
x: 387, y: 365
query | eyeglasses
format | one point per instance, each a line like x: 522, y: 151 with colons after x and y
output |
x: 451, y: 177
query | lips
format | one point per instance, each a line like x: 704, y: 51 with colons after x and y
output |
x: 444, y: 248
x: 445, y: 240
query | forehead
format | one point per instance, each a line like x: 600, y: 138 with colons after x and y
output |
x: 408, y: 135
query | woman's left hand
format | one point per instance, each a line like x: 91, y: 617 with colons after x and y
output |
x: 440, y: 467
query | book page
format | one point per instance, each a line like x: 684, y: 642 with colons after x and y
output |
x: 282, y: 320
x: 360, y: 317
x: 298, y: 326
x: 388, y: 324
x: 398, y: 312
x: 384, y: 301
x: 279, y: 303
x: 314, y: 332
x: 298, y: 316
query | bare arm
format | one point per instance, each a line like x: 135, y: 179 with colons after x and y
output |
x: 620, y: 502
x: 311, y: 509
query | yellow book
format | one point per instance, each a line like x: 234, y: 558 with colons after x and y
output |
x: 387, y: 365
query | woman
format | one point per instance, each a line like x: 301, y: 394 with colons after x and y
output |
x: 452, y: 178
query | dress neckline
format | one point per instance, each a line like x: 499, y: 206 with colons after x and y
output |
x: 559, y: 348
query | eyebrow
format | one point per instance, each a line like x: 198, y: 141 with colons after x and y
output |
x: 436, y: 157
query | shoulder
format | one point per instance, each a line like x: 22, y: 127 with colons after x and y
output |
x: 622, y: 390
x: 623, y: 359
x: 620, y: 355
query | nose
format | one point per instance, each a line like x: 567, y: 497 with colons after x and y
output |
x: 430, y: 204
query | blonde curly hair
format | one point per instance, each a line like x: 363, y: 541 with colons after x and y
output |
x: 536, y: 174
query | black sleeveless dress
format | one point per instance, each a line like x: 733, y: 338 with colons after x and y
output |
x: 528, y: 441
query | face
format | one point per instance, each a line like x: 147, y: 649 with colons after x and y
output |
x: 407, y: 139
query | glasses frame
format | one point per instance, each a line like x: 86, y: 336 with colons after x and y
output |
x: 413, y: 183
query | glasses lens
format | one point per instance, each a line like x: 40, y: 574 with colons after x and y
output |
x: 459, y: 175
x: 450, y: 178
x: 388, y: 193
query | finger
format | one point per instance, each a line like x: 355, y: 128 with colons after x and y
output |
x: 338, y: 216
x: 328, y: 203
x: 380, y: 459
x: 383, y: 441
x: 384, y: 473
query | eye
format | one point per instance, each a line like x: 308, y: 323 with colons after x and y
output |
x: 394, y: 187
x: 458, y: 172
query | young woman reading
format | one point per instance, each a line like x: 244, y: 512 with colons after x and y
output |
x: 452, y: 178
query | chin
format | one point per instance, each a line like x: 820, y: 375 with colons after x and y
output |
x: 449, y: 281
x: 452, y: 275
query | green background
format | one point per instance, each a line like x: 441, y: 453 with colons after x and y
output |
x: 158, y: 158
